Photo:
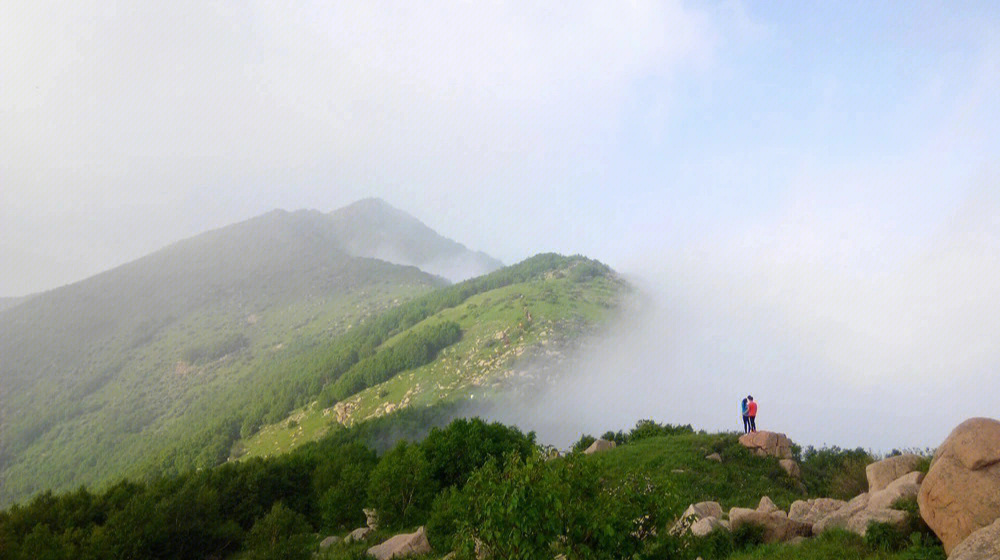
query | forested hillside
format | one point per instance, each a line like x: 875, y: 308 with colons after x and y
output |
x: 99, y: 375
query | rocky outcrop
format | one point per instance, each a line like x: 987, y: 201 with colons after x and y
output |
x: 840, y: 517
x: 599, y: 445
x: 706, y: 525
x: 961, y: 492
x: 777, y: 526
x: 401, y: 546
x: 866, y: 508
x: 768, y: 443
x: 811, y: 511
x: 881, y: 473
x: 984, y: 543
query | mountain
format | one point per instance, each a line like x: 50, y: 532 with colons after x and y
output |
x: 8, y: 302
x: 372, y: 228
x: 518, y: 326
x: 98, y: 374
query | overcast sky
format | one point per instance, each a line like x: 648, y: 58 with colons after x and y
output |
x: 829, y: 169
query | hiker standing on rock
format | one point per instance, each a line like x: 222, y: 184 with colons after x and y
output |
x: 746, y: 419
x: 752, y: 413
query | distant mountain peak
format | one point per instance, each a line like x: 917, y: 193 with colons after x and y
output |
x: 371, y: 227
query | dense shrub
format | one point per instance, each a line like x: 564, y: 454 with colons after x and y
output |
x: 455, y: 451
x: 282, y: 534
x: 400, y: 487
x: 339, y: 483
x: 835, y: 472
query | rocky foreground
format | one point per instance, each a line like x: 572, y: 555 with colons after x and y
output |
x: 958, y: 497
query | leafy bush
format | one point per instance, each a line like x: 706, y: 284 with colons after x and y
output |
x: 455, y: 451
x: 447, y: 512
x: 400, y: 487
x: 748, y: 535
x: 583, y: 443
x: 282, y: 534
x: 338, y: 481
x: 884, y: 537
x: 834, y: 472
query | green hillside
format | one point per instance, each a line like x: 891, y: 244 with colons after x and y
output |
x: 162, y: 363
x: 534, y: 320
x: 469, y: 482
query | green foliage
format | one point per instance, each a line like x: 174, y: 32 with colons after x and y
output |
x: 338, y: 482
x: 282, y: 534
x: 834, y: 472
x: 400, y: 487
x: 533, y: 509
x: 413, y: 350
x: 447, y: 512
x: 585, y: 441
x: 457, y: 450
x: 213, y: 350
x: 885, y: 537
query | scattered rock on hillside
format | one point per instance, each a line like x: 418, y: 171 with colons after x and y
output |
x: 705, y: 526
x: 839, y: 518
x: 714, y: 457
x: 791, y: 467
x: 858, y: 523
x: 401, y: 546
x: 766, y: 505
x: 371, y: 518
x: 328, y: 542
x: 777, y: 526
x: 599, y: 445
x: 768, y: 443
x: 358, y: 535
x: 961, y: 492
x: 695, y: 513
x: 811, y: 511
x: 883, y: 472
x: 984, y: 543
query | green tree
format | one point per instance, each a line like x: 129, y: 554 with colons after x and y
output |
x: 401, y: 488
x: 282, y: 534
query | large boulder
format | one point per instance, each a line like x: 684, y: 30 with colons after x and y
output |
x: 858, y: 523
x: 791, y: 467
x: 359, y: 534
x: 984, y: 543
x: 706, y: 525
x: 768, y: 443
x: 880, y: 474
x: 400, y: 546
x: 599, y: 445
x: 766, y: 505
x: 906, y: 486
x: 777, y: 526
x: 961, y: 492
x: 839, y: 518
x: 811, y: 511
x: 695, y: 513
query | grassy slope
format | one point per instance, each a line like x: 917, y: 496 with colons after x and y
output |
x: 561, y: 309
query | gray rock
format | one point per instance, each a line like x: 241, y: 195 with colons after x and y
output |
x: 358, y: 535
x: 695, y: 513
x: 706, y: 525
x: 777, y: 526
x: 906, y: 486
x: 714, y: 457
x: 791, y: 467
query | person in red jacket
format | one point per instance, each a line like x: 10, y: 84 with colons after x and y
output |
x: 752, y: 413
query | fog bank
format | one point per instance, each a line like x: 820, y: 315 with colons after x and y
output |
x: 839, y: 347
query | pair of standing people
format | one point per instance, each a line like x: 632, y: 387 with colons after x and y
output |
x: 749, y: 410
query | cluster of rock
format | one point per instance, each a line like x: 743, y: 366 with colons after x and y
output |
x: 399, y: 546
x: 959, y: 498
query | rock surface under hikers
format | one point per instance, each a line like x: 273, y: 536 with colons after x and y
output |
x: 768, y: 443
x: 961, y: 492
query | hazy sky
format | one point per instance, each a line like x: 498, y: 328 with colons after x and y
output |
x: 816, y: 186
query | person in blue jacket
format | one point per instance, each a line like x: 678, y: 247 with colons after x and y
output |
x: 746, y: 419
